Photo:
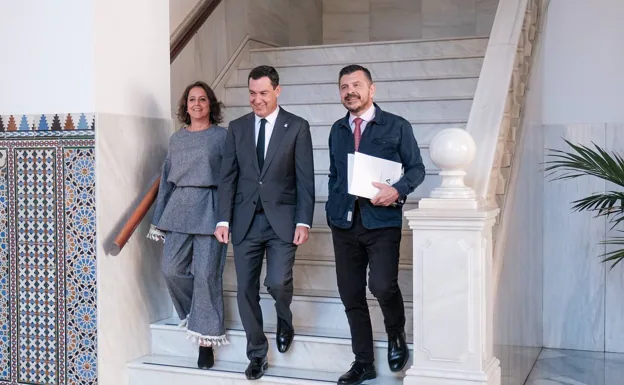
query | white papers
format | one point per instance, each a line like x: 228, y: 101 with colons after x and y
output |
x: 363, y: 170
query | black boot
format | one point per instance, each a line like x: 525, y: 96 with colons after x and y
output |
x: 206, y: 358
x: 358, y: 373
x: 398, y: 353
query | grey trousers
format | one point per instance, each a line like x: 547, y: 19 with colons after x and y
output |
x: 193, y: 268
x: 248, y: 256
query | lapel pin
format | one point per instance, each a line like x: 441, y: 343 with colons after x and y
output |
x: 286, y: 125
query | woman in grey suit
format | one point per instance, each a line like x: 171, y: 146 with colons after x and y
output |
x: 184, y: 218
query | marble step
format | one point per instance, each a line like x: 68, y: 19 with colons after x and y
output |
x: 312, y: 348
x: 316, y: 309
x: 327, y: 91
x: 315, y: 275
x: 380, y: 69
x: 321, y: 159
x: 319, y: 247
x: 362, y: 52
x: 432, y: 180
x: 455, y: 108
x: 424, y: 130
x: 170, y: 370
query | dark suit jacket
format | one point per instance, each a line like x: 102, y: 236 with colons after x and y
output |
x: 285, y: 184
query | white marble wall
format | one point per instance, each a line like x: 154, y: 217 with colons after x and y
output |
x: 178, y: 10
x: 349, y: 21
x: 582, y: 296
x: 131, y: 290
x: 282, y: 22
x: 583, y: 307
x: 614, y: 284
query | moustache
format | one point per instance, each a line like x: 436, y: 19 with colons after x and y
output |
x: 351, y: 96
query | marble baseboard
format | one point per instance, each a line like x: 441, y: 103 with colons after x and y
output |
x: 131, y: 292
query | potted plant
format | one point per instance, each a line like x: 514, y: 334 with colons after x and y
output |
x: 596, y: 162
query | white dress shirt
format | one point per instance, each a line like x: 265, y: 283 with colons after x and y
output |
x: 268, y: 128
x: 268, y: 131
x: 366, y: 117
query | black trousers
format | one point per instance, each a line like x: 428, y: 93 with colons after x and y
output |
x: 248, y: 257
x: 356, y: 249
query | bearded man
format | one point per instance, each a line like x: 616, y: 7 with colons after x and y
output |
x: 367, y: 232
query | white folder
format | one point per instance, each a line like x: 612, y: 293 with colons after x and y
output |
x: 363, y: 170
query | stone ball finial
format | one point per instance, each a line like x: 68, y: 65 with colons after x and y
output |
x: 452, y: 149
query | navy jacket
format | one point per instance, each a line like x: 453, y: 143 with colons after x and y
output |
x: 387, y: 136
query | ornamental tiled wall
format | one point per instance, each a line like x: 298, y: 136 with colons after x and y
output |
x: 48, y: 328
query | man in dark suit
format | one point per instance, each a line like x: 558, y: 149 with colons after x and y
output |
x: 266, y: 199
x: 367, y: 232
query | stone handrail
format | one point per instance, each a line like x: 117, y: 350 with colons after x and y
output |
x: 496, y: 101
x: 452, y: 263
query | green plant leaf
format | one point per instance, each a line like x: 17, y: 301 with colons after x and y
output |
x: 596, y: 162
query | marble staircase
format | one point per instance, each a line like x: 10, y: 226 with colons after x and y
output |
x: 429, y: 82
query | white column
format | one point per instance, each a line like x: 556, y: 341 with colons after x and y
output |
x: 453, y: 316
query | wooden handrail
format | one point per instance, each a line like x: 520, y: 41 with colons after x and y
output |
x: 179, y: 39
x: 137, y: 215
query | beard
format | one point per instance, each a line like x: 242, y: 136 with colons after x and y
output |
x: 354, y: 108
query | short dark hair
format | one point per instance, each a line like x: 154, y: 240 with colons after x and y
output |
x: 215, y: 105
x: 351, y: 68
x: 265, y: 71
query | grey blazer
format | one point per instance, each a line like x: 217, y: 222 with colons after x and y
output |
x: 285, y: 184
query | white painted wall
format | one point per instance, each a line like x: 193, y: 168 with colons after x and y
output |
x: 583, y: 64
x: 132, y: 57
x: 47, y: 56
x: 132, y: 92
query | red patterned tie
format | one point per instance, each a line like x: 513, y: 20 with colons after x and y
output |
x: 357, y: 133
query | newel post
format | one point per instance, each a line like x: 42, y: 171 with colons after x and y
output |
x: 453, y: 315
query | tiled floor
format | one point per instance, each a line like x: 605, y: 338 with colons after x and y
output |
x: 572, y: 367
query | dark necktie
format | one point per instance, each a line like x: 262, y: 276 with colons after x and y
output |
x: 260, y: 155
x: 260, y: 144
x: 357, y: 132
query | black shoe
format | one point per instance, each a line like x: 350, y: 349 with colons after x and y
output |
x: 256, y: 368
x: 398, y: 352
x: 206, y: 358
x: 358, y: 373
x: 284, y: 336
